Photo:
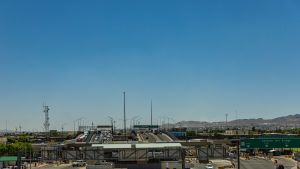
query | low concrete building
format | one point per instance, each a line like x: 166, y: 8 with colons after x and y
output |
x: 3, y: 140
x: 236, y: 132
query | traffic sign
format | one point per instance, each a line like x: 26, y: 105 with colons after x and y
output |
x: 269, y: 143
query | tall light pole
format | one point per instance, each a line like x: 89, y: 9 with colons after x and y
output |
x: 226, y: 119
x: 62, y: 128
x: 151, y: 112
x: 111, y: 123
x: 74, y: 126
x: 138, y: 121
x: 5, y: 126
x: 132, y: 121
x: 124, y: 118
x: 114, y: 126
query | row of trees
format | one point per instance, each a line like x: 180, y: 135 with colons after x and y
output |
x: 15, y: 145
x: 13, y: 149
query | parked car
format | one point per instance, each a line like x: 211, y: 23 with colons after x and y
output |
x: 209, y: 166
x: 79, y: 163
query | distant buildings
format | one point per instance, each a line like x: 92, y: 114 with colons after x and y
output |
x: 3, y: 140
x: 240, y: 132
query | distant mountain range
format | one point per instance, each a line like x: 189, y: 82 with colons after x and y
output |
x: 289, y: 121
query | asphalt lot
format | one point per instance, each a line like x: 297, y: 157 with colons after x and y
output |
x: 253, y: 163
x: 258, y: 163
x: 62, y: 166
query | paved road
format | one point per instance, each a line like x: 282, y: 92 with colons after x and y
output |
x: 257, y: 163
x: 152, y: 138
x: 147, y: 137
x: 200, y: 166
x: 62, y: 166
x: 288, y: 163
x: 155, y: 137
x: 164, y: 137
x: 167, y: 138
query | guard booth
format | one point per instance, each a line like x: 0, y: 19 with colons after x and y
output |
x: 6, y: 161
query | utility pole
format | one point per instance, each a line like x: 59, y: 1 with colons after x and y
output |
x: 168, y: 123
x: 226, y: 119
x: 30, y: 158
x: 151, y: 112
x: 124, y: 119
x: 236, y: 118
x: 238, y: 149
x: 114, y: 127
x: 5, y: 126
x: 62, y: 128
x: 111, y: 123
x: 74, y: 127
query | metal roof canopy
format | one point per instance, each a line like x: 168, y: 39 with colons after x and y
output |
x: 146, y: 126
x: 158, y: 145
x: 138, y: 146
x: 8, y: 158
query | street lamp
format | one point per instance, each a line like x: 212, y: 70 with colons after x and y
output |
x: 62, y: 128
x: 132, y: 121
x: 111, y: 123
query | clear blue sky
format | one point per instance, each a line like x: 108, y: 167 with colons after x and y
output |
x: 197, y: 60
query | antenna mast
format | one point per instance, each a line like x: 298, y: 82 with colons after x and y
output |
x: 46, y: 123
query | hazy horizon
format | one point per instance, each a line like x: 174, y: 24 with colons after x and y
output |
x: 196, y: 60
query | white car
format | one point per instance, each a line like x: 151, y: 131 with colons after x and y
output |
x: 209, y: 166
x: 79, y: 163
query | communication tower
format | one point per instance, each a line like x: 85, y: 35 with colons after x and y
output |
x: 46, y: 123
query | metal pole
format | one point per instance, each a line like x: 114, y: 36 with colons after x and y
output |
x: 111, y: 123
x: 5, y: 126
x: 74, y: 128
x: 238, y: 151
x: 168, y: 124
x: 183, y: 158
x: 19, y: 160
x: 151, y: 112
x: 114, y: 126
x: 30, y: 158
x: 124, y: 119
